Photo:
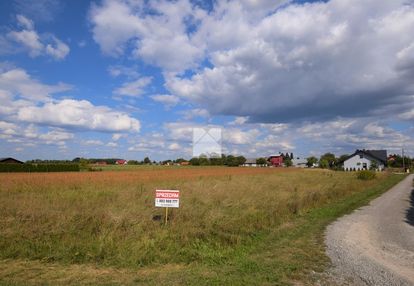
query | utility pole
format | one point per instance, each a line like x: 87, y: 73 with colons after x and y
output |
x: 403, y: 159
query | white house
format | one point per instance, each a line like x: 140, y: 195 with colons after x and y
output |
x: 250, y: 162
x: 300, y: 163
x: 364, y: 159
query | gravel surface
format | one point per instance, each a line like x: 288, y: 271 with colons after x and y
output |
x: 375, y: 244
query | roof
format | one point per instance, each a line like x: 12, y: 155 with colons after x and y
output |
x: 10, y: 158
x: 299, y: 161
x: 380, y: 155
x: 250, y: 161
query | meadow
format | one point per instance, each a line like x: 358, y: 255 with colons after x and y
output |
x: 255, y: 226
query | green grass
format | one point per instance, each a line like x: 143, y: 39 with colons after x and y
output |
x: 236, y: 230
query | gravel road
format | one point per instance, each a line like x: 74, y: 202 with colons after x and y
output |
x: 375, y: 244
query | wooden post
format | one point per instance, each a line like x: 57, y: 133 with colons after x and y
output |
x: 166, y: 215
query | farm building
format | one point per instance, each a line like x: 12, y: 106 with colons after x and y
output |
x: 366, y: 160
x: 300, y: 163
x: 10, y: 161
x: 250, y: 162
x: 276, y: 160
x: 121, y: 162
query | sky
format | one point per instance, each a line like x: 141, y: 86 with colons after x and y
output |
x: 131, y: 78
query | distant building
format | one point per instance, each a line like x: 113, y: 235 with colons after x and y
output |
x: 250, y: 162
x: 365, y: 159
x: 185, y: 163
x: 121, y: 162
x: 300, y: 163
x: 10, y: 160
x: 276, y: 160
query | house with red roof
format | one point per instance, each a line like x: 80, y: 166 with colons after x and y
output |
x: 121, y: 162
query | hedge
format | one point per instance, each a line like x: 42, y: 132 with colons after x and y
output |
x: 10, y: 168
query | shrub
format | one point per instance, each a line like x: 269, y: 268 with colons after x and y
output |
x: 366, y: 175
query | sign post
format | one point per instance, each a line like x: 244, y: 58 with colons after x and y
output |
x: 167, y: 199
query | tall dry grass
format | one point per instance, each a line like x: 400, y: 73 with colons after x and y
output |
x: 107, y: 218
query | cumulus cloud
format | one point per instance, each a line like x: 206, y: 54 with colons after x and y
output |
x: 17, y: 82
x: 58, y: 50
x: 159, y: 38
x: 79, y: 114
x: 195, y: 112
x: 55, y: 136
x: 25, y: 99
x: 92, y: 142
x: 134, y: 88
x: 313, y: 61
x: 37, y: 44
x: 29, y: 135
x: 279, y: 61
x: 167, y: 99
x: 119, y: 70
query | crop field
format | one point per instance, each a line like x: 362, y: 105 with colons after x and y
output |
x: 235, y: 226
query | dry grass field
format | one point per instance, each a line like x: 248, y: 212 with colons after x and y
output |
x: 234, y: 225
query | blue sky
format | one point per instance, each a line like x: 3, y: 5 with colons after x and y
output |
x: 129, y: 79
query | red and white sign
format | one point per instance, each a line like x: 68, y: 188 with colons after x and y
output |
x: 167, y: 198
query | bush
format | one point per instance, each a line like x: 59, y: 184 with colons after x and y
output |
x: 10, y: 168
x: 366, y: 175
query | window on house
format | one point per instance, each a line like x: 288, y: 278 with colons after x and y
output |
x: 361, y: 156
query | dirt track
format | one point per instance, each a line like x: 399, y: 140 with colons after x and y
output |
x: 375, y: 244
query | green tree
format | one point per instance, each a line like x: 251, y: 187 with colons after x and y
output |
x: 343, y: 158
x: 204, y: 161
x: 323, y: 163
x: 194, y: 161
x: 312, y: 160
x: 288, y: 162
x: 241, y: 160
x: 329, y: 158
x: 261, y: 161
x: 147, y: 160
x: 233, y: 161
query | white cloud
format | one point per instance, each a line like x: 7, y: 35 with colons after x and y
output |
x: 134, y: 88
x: 55, y: 136
x: 159, y: 38
x: 35, y: 44
x: 18, y: 83
x: 239, y: 120
x: 196, y: 112
x: 118, y: 70
x: 8, y: 128
x: 24, y: 22
x: 92, y: 142
x: 79, y: 114
x: 238, y: 136
x: 174, y: 147
x: 166, y: 99
x: 30, y: 39
x: 303, y: 62
x: 58, y: 51
x: 117, y: 136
